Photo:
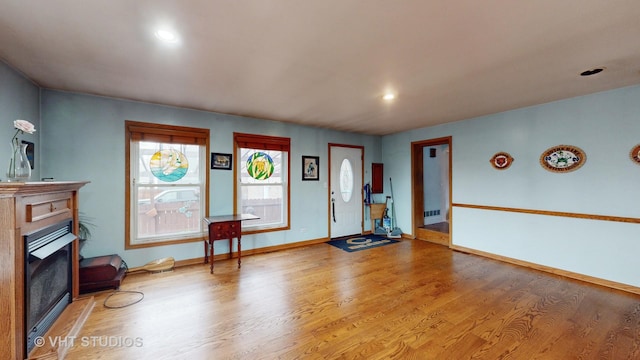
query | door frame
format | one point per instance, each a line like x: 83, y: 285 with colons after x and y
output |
x: 329, y: 146
x: 417, y: 185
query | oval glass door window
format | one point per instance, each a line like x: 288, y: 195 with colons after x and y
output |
x: 346, y: 180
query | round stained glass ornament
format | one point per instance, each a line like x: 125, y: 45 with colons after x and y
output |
x: 260, y: 166
x: 169, y: 165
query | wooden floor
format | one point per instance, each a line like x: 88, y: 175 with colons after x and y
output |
x: 409, y: 300
x: 442, y: 227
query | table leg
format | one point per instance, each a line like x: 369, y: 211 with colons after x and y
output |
x: 211, y: 253
x: 239, y: 249
x: 206, y: 252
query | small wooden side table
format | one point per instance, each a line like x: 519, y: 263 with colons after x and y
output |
x: 222, y: 228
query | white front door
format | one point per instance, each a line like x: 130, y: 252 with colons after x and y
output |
x: 346, y: 191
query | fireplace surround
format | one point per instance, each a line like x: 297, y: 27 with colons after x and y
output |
x: 27, y: 209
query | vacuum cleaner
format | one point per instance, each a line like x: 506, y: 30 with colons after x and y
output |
x: 384, y: 226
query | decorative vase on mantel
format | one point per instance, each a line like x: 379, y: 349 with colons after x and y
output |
x: 19, y: 169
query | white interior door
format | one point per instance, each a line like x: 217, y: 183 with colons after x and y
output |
x: 346, y: 191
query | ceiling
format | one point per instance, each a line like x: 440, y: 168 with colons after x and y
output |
x: 327, y: 63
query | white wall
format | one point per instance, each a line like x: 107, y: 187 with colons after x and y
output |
x: 605, y: 125
x: 431, y: 183
x: 436, y: 182
x: 83, y: 139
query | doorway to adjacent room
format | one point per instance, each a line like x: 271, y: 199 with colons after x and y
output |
x: 431, y: 189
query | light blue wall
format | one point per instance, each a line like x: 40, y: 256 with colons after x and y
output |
x: 436, y: 182
x: 605, y: 125
x: 83, y: 139
x: 19, y: 99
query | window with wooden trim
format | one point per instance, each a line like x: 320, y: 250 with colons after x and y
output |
x: 166, y: 184
x: 262, y: 181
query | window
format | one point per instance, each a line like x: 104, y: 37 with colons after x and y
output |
x: 166, y: 184
x: 346, y: 180
x: 262, y: 185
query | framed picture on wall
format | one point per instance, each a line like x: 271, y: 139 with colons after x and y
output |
x: 221, y: 161
x: 310, y: 168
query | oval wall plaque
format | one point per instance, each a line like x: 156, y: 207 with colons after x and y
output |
x: 501, y: 160
x: 563, y: 158
x: 635, y: 154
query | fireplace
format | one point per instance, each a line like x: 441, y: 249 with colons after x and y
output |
x: 48, y: 277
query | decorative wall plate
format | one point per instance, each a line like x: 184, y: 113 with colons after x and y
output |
x: 501, y: 160
x: 635, y: 154
x: 563, y: 158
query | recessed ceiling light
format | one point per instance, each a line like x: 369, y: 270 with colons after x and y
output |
x: 166, y: 35
x: 592, y: 71
x: 389, y: 96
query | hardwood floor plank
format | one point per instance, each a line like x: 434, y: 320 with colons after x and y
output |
x: 409, y: 300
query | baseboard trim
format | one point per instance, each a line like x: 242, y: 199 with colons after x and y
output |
x: 263, y: 250
x: 552, y: 270
x: 269, y: 249
x: 527, y: 264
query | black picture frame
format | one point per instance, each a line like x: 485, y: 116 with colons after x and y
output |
x: 31, y: 153
x: 220, y: 161
x: 310, y: 168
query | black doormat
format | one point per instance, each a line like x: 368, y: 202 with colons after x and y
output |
x: 356, y: 243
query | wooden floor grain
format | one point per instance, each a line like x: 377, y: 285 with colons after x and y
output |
x: 409, y: 300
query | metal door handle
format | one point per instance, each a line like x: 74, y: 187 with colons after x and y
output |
x: 333, y: 209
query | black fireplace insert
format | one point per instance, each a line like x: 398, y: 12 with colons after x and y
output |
x: 48, y: 277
